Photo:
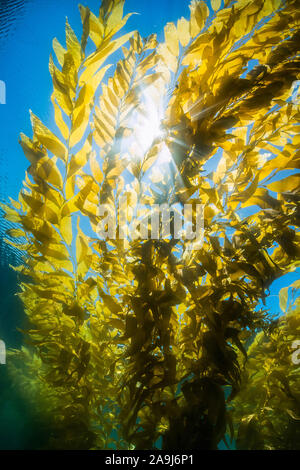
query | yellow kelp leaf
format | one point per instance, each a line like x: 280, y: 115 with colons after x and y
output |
x: 20, y: 246
x: 261, y: 198
x: 148, y: 81
x: 60, y: 122
x: 32, y: 150
x: 70, y: 187
x: 15, y: 233
x: 221, y: 170
x: 115, y: 16
x: 47, y: 170
x: 83, y: 251
x: 215, y: 4
x: 102, y: 137
x: 95, y: 168
x: 171, y: 38
x: 279, y: 163
x: 80, y: 159
x: 85, y: 19
x: 167, y: 57
x: 151, y: 42
x: 70, y: 206
x: 65, y: 227
x: 63, y: 92
x: 136, y: 44
x: 73, y: 44
x: 235, y: 199
x: 289, y: 183
x: 194, y: 28
x: 296, y: 141
x: 80, y: 117
x: 50, y: 214
x: 199, y: 14
x: 209, y: 213
x: 123, y: 77
x: 232, y: 65
x: 117, y: 167
x: 116, y: 21
x: 183, y: 29
x: 283, y: 298
x: 90, y: 209
x: 35, y: 204
x: 149, y: 62
x: 94, y: 61
x: 59, y: 51
x: 81, y: 113
x: 41, y: 229
x: 96, y: 79
x: 185, y: 193
x: 79, y: 126
x: 10, y: 214
x: 45, y: 189
x: 69, y: 74
x: 110, y: 94
x: 15, y: 204
x: 96, y: 30
x: 105, y: 123
x: 110, y: 302
x: 47, y: 138
x: 77, y: 201
x: 202, y: 12
x: 57, y: 254
x: 151, y: 157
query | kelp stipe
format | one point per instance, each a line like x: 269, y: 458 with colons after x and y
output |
x: 131, y: 340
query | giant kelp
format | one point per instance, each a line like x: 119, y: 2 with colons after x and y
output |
x: 268, y: 404
x: 135, y: 340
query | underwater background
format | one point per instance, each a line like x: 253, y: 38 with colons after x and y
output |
x: 26, y: 31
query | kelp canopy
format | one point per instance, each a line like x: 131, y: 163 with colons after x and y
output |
x: 143, y: 343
